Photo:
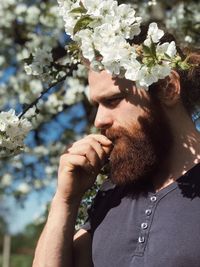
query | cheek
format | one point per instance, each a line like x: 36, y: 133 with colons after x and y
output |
x: 128, y: 114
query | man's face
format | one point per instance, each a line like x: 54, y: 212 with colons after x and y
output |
x: 135, y: 124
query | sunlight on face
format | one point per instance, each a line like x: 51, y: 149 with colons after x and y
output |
x: 118, y: 101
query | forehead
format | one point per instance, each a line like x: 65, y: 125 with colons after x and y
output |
x: 103, y: 85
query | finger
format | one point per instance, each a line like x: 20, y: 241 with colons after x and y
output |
x: 101, y: 148
x: 88, y: 151
x: 102, y: 139
x: 107, y: 147
x: 95, y: 144
x: 105, y: 143
x: 70, y: 162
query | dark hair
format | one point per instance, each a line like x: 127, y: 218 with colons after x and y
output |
x: 189, y: 79
x: 189, y: 83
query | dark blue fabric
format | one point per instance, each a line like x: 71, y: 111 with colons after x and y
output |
x: 147, y: 229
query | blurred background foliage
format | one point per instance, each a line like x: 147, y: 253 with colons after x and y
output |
x: 32, y: 36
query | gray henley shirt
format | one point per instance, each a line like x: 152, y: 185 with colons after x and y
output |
x: 147, y: 229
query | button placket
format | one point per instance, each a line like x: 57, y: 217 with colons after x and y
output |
x: 145, y: 225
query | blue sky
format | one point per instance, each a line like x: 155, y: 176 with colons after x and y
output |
x: 18, y: 217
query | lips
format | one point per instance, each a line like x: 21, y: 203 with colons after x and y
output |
x: 113, y: 136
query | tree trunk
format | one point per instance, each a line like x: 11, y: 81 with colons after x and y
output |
x: 6, y: 250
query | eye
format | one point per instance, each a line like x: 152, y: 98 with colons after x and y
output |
x: 113, y: 102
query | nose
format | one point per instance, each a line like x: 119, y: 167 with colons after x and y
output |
x: 104, y: 118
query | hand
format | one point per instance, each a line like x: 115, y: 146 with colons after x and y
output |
x: 80, y: 165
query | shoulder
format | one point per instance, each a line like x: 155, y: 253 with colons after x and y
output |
x: 189, y: 183
x: 104, y: 199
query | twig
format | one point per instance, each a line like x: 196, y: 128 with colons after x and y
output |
x: 34, y: 103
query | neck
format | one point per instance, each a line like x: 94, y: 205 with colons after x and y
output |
x: 185, y: 153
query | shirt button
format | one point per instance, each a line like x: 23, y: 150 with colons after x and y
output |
x: 103, y: 194
x: 141, y: 239
x: 148, y: 212
x: 144, y: 225
x: 153, y: 198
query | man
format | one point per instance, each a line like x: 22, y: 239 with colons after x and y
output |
x: 147, y: 213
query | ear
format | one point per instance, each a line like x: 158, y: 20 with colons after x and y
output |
x: 170, y: 94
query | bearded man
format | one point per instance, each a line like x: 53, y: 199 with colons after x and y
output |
x: 147, y: 213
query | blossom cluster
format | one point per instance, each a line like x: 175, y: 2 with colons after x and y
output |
x: 183, y: 16
x: 12, y: 133
x: 102, y: 30
x: 42, y: 60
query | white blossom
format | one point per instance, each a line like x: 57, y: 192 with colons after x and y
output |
x: 24, y: 53
x: 43, y: 56
x: 54, y: 103
x: 24, y: 188
x: 167, y: 48
x: 69, y: 18
x: 154, y: 34
x: 41, y: 63
x: 117, y: 50
x: 30, y: 113
x: 36, y: 86
x: 28, y: 69
x: 186, y: 18
x: 87, y: 49
x: 32, y: 15
x: 108, y: 7
x: 93, y: 6
x: 161, y: 71
x: 188, y: 39
x: 21, y: 8
x: 148, y: 76
x: 6, y: 180
x: 104, y: 41
x: 12, y: 133
x: 74, y: 91
x: 132, y: 70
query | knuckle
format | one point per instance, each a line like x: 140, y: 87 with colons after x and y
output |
x: 62, y: 158
x: 88, y: 148
x: 65, y: 169
x: 83, y: 161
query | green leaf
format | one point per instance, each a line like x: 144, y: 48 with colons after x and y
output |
x: 146, y: 49
x: 153, y: 49
x: 167, y: 56
x: 150, y: 64
x: 82, y: 23
x: 80, y: 10
x: 72, y: 46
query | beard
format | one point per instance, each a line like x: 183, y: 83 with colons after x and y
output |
x: 141, y: 149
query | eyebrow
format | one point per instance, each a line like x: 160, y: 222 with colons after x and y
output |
x: 103, y: 98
